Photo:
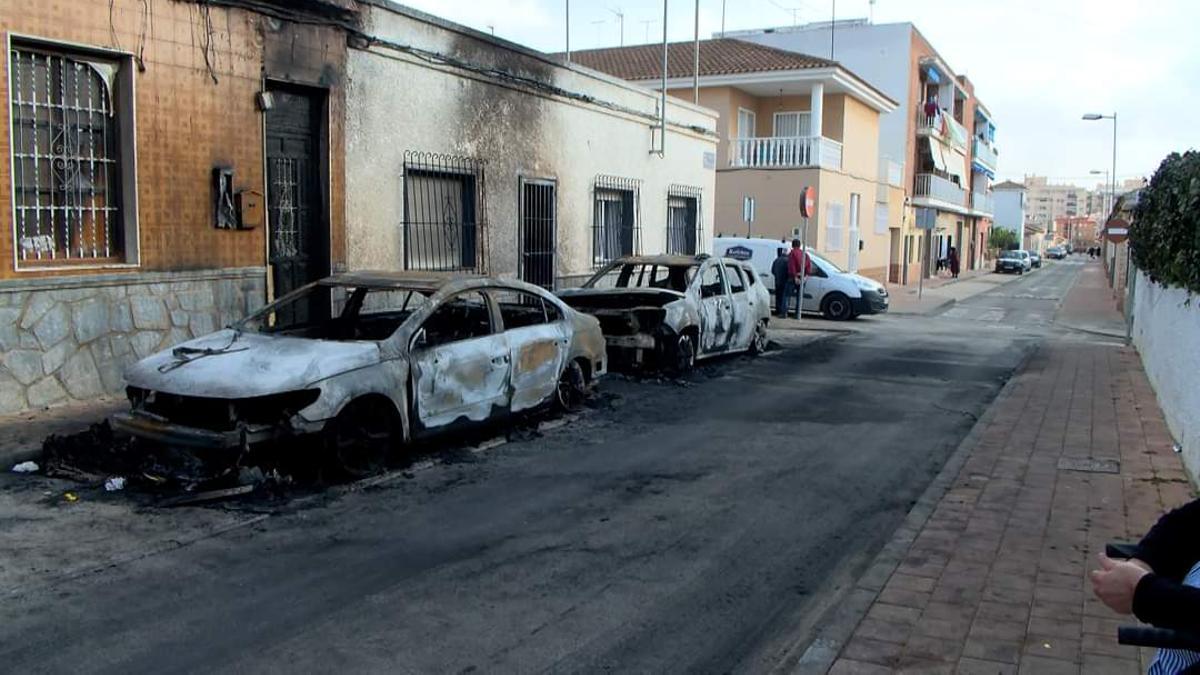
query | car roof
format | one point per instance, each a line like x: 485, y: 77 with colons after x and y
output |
x: 673, y: 260
x: 417, y: 280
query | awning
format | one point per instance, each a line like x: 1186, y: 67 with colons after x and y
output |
x: 979, y: 168
x: 954, y: 164
x: 935, y: 151
x: 932, y: 75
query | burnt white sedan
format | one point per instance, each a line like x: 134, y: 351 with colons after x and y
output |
x: 367, y: 359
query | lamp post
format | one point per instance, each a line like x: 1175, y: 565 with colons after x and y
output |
x: 1091, y: 117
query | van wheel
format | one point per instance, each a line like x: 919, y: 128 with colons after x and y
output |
x: 758, y: 342
x: 572, y: 388
x: 683, y: 356
x: 836, y: 307
x: 360, y: 438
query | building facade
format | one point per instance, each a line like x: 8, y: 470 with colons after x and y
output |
x: 785, y: 121
x: 940, y: 133
x: 165, y: 175
x: 1010, y: 207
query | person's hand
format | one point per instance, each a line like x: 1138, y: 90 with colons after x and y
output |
x: 1115, y: 582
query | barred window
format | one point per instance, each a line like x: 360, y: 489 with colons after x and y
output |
x: 615, y: 222
x: 71, y: 116
x: 683, y: 219
x: 445, y: 209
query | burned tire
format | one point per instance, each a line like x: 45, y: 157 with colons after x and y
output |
x: 359, y: 440
x: 836, y: 307
x: 682, y: 355
x: 572, y: 388
x: 758, y: 343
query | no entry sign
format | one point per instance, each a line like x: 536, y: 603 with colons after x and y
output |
x: 808, y: 202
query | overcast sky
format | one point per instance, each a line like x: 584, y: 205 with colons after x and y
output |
x: 1037, y: 64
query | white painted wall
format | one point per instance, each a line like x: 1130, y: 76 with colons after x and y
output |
x: 1166, y: 332
x: 878, y: 53
x: 1010, y: 211
x: 397, y: 102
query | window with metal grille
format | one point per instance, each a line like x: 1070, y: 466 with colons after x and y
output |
x: 615, y: 223
x: 445, y: 207
x: 71, y: 118
x: 538, y: 232
x: 683, y: 219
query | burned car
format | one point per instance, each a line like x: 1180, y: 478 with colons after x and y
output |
x: 670, y: 310
x: 363, y: 360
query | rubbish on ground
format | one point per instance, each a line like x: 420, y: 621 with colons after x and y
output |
x: 71, y: 496
x: 1177, y: 448
x: 114, y: 484
x: 211, y: 495
x: 25, y: 467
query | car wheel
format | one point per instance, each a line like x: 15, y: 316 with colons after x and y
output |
x: 572, y: 388
x: 836, y: 307
x: 1021, y: 271
x: 360, y: 438
x: 758, y: 342
x: 683, y: 356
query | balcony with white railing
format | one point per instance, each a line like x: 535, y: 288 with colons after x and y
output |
x: 782, y: 152
x: 930, y: 186
x: 984, y: 153
x: 982, y: 202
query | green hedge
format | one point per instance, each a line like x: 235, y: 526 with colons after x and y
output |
x: 1164, y: 234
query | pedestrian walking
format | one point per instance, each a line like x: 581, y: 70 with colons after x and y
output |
x: 779, y: 270
x: 952, y: 261
x: 798, y: 261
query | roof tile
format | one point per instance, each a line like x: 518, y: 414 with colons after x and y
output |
x: 720, y: 56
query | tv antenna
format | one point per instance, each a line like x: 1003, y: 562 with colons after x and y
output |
x: 620, y: 23
x: 647, y: 23
x: 793, y: 10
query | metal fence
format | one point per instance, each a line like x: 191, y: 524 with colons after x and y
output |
x: 683, y: 219
x: 66, y: 175
x: 616, y: 218
x: 445, y: 213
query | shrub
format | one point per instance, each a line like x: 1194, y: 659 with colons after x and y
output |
x: 1002, y: 239
x: 1164, y: 235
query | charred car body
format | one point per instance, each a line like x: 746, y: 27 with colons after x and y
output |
x: 367, y: 359
x: 671, y: 310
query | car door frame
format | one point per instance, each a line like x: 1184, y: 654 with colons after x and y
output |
x: 744, y: 317
x: 537, y: 353
x: 491, y: 352
x: 716, y: 312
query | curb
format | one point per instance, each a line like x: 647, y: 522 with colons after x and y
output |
x: 839, y: 622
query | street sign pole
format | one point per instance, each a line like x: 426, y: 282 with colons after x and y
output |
x: 808, y: 205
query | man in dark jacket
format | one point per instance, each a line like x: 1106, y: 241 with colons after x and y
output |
x: 1160, y: 584
x: 779, y: 270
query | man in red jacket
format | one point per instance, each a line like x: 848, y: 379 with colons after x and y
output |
x: 797, y: 260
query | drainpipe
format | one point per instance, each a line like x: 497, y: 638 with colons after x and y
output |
x: 662, y: 130
x: 568, y: 25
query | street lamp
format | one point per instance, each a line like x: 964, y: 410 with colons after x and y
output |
x: 1092, y: 117
x: 1097, y: 172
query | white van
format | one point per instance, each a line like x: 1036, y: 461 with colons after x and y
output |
x: 831, y: 291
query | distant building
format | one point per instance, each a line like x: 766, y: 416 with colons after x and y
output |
x: 941, y: 133
x: 1010, y: 207
x: 1047, y: 202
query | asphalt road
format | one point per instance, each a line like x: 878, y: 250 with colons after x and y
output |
x: 675, y: 528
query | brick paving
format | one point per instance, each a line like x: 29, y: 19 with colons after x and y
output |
x: 995, y: 581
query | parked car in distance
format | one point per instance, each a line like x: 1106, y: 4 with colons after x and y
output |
x: 367, y: 359
x: 1013, y: 261
x: 759, y: 252
x: 1056, y: 253
x: 670, y: 310
x: 1035, y: 260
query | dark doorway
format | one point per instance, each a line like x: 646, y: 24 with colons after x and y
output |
x: 683, y: 211
x: 538, y: 216
x: 297, y: 206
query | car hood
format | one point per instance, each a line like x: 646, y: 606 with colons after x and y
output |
x: 253, y: 364
x: 871, y: 283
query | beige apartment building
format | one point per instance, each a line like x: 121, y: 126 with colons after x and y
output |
x: 784, y: 121
x: 941, y: 134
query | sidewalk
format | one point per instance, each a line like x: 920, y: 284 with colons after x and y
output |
x: 940, y: 292
x: 21, y: 434
x: 989, y: 572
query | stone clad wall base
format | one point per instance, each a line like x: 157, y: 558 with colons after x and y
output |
x: 70, y: 339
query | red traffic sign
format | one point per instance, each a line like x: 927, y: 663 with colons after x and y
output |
x: 1116, y: 230
x: 808, y: 202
